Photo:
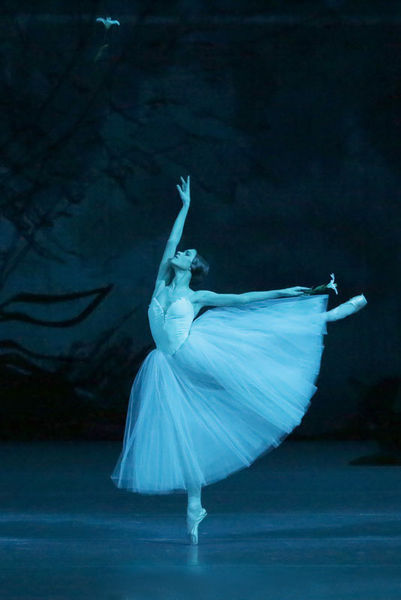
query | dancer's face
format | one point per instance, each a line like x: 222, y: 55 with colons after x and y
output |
x: 183, y: 259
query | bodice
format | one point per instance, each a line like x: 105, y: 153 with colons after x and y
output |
x: 170, y: 328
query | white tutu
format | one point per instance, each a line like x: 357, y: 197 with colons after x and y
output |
x: 238, y: 385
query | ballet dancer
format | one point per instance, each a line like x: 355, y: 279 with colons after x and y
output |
x: 222, y: 390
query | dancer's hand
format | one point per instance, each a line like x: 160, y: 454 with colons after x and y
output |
x: 184, y: 191
x: 298, y: 290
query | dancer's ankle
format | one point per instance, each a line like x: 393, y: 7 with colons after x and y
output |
x: 347, y: 308
x: 194, y: 506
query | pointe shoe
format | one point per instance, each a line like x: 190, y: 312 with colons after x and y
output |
x: 193, y: 524
x: 347, y: 308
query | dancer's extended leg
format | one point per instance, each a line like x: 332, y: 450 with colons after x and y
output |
x: 346, y: 308
x: 195, y: 512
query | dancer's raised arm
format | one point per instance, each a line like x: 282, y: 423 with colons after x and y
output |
x: 176, y: 232
x: 207, y: 298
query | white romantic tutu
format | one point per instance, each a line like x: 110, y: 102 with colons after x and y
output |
x: 238, y: 385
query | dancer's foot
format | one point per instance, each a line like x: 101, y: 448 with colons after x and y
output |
x: 347, y: 308
x: 193, y: 520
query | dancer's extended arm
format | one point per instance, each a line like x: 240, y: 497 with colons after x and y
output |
x: 207, y: 298
x: 176, y: 232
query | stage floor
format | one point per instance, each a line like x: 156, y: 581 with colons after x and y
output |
x: 299, y: 524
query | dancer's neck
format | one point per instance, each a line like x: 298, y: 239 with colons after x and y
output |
x: 180, y: 281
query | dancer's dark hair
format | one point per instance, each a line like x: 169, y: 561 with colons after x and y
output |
x: 199, y: 269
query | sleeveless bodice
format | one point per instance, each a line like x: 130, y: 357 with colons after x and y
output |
x: 170, y: 328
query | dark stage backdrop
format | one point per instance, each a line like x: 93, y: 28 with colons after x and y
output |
x: 287, y: 116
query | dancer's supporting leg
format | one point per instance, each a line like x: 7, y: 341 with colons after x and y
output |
x: 195, y: 512
x: 346, y: 308
x: 194, y: 498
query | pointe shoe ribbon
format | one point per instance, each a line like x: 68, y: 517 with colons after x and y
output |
x: 193, y: 524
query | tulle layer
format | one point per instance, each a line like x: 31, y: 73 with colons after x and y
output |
x: 239, y: 384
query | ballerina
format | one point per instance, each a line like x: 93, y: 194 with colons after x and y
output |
x: 222, y: 390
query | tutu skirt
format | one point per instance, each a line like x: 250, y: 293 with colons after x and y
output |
x: 238, y: 385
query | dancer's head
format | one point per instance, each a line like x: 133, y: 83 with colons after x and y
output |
x: 190, y: 260
x: 199, y: 269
